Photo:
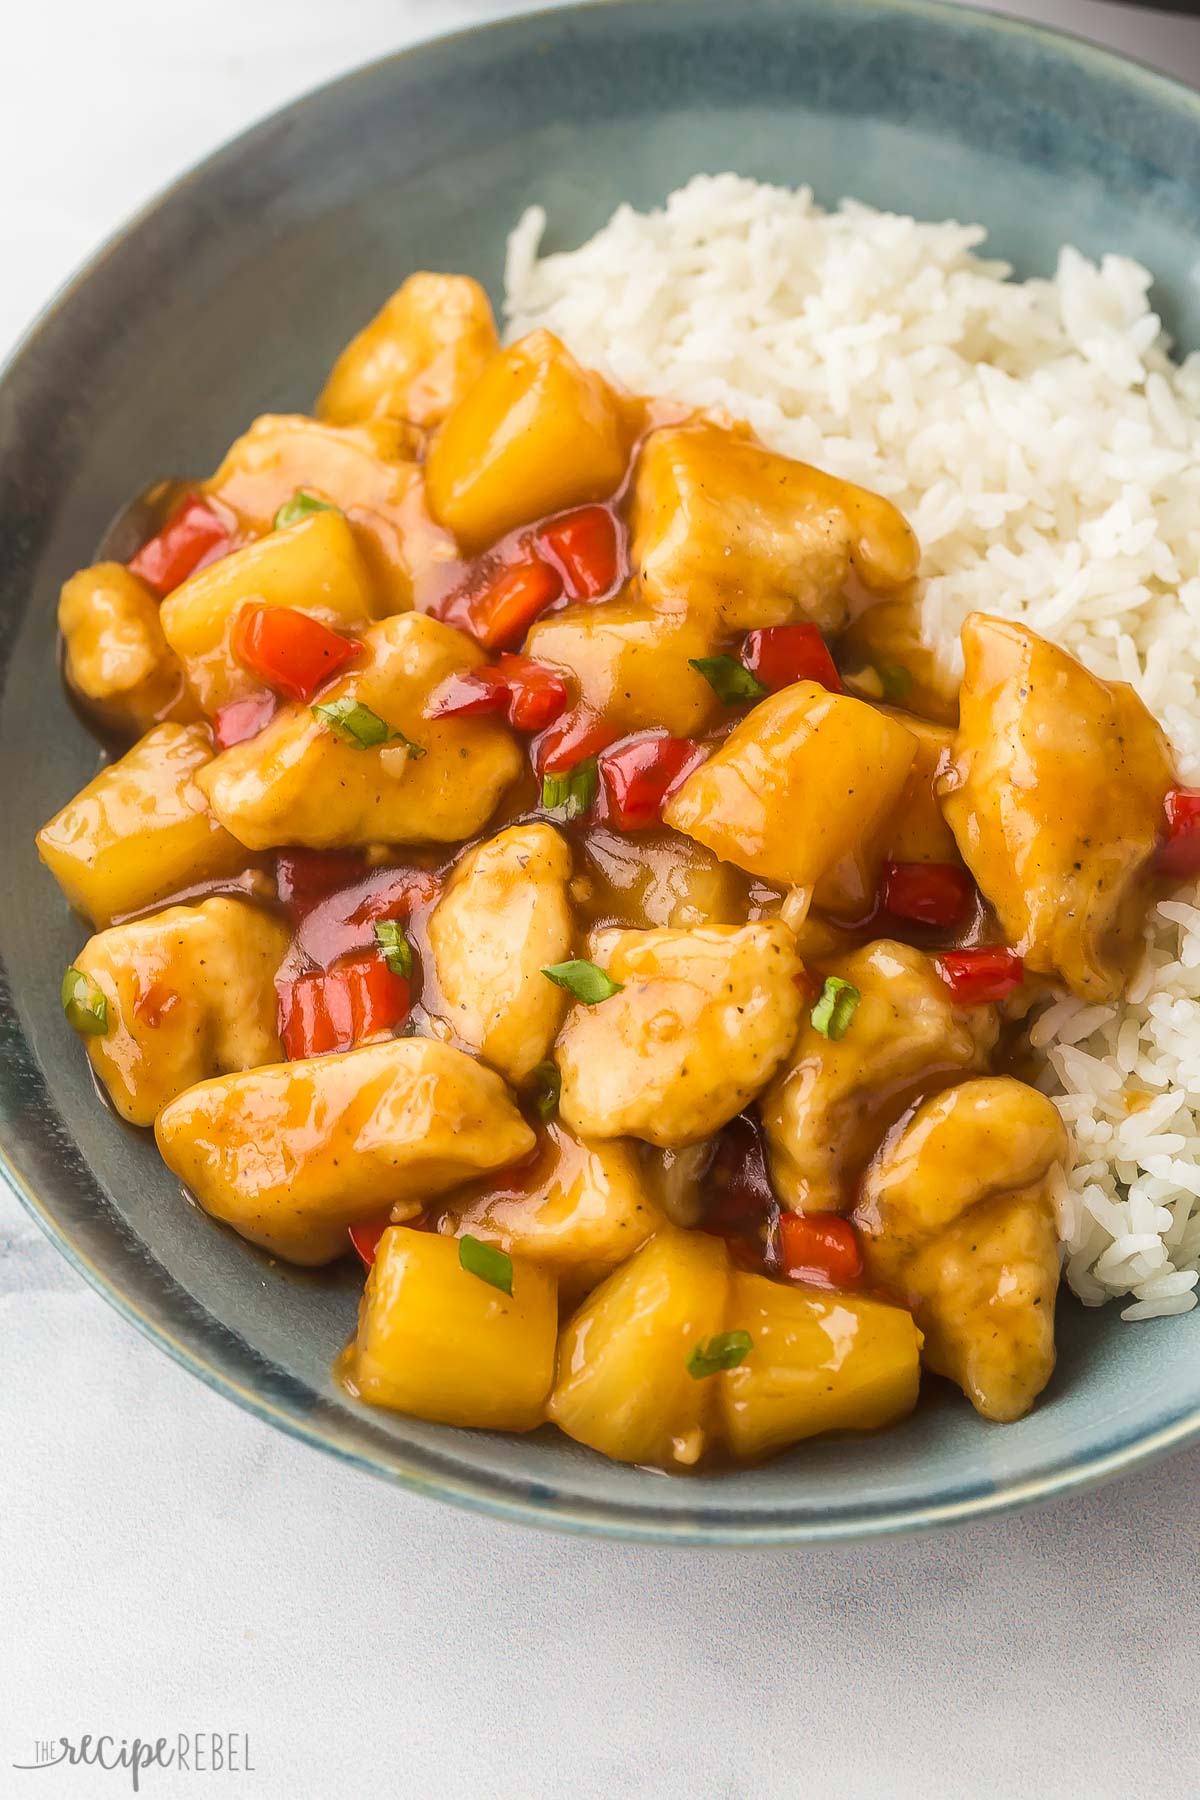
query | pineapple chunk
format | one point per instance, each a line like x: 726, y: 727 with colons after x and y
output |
x: 631, y: 664
x: 141, y: 830
x: 802, y: 782
x: 315, y: 566
x: 536, y: 433
x: 623, y: 1385
x: 116, y: 657
x: 299, y: 782
x: 503, y: 917
x: 369, y: 472
x: 440, y: 1343
x: 292, y: 1155
x: 817, y: 1362
x: 419, y: 355
x: 191, y: 993
x: 581, y: 1208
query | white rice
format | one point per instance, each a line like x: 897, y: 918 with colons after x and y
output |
x: 1047, y: 451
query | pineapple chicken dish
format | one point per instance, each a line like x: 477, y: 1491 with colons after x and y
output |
x: 546, y: 860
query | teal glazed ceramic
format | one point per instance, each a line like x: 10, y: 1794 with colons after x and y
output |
x: 230, y: 297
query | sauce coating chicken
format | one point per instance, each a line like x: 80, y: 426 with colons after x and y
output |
x: 557, y: 869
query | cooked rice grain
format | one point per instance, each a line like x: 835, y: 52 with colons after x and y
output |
x: 1047, y: 452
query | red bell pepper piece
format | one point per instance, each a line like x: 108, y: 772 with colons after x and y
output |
x: 570, y: 740
x: 973, y: 976
x: 1179, y: 852
x: 930, y: 893
x: 585, y: 546
x: 343, y: 921
x: 242, y: 719
x: 293, y: 652
x: 819, y: 1247
x: 780, y: 654
x: 639, y: 773
x: 193, y: 536
x: 303, y: 877
x: 365, y: 1237
x: 532, y: 693
x: 503, y: 612
x: 332, y: 1009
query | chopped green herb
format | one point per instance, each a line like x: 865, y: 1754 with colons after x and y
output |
x: 356, y: 724
x: 83, y: 1003
x: 583, y: 979
x: 895, y: 681
x: 397, y: 951
x: 484, y: 1260
x: 835, y: 1008
x: 301, y: 506
x: 723, y: 1352
x: 549, y: 1087
x: 730, y: 680
x: 571, y: 793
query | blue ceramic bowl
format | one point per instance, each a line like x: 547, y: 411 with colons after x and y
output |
x: 230, y: 297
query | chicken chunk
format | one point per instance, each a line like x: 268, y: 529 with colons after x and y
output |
x: 579, y: 1209
x: 315, y: 567
x: 503, y: 917
x: 826, y: 1112
x: 436, y: 1342
x: 116, y: 658
x: 1055, y: 797
x: 884, y: 655
x: 632, y: 665
x: 701, y: 1023
x: 424, y: 349
x: 956, y: 1214
x: 141, y: 830
x: 292, y: 1155
x: 807, y: 778
x: 190, y: 993
x: 369, y: 472
x: 743, y: 538
x: 536, y: 433
x: 327, y: 781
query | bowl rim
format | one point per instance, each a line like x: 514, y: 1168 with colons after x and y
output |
x: 407, y: 1466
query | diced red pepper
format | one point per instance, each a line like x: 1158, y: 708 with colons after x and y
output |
x: 293, y: 652
x: 344, y: 920
x: 1179, y: 852
x: 193, y: 536
x: 503, y: 613
x: 537, y: 693
x: 781, y: 654
x: 586, y: 547
x: 532, y: 693
x: 929, y: 893
x: 365, y: 1237
x: 572, y: 739
x: 303, y: 877
x: 819, y: 1247
x: 242, y: 719
x: 974, y: 976
x: 639, y: 773
x: 333, y: 1009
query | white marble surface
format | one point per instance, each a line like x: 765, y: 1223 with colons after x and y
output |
x: 168, y: 1564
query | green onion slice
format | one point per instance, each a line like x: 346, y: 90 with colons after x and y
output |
x: 730, y: 680
x: 357, y: 725
x: 84, y: 1005
x: 895, y: 681
x: 835, y: 1008
x: 549, y: 1086
x: 571, y: 793
x: 301, y: 506
x: 723, y: 1352
x: 484, y: 1260
x: 396, y: 949
x: 583, y: 979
